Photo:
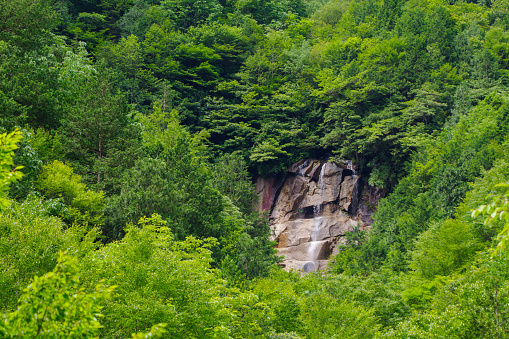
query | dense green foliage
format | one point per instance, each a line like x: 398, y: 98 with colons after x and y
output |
x: 139, y: 126
x: 8, y: 174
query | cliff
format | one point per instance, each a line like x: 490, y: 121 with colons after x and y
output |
x: 311, y: 207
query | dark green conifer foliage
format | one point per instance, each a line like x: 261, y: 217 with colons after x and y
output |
x: 99, y: 138
x: 172, y: 180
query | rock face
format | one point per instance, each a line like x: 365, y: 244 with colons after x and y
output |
x: 312, y: 207
x: 268, y: 190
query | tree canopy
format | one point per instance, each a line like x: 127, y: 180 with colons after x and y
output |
x: 132, y: 132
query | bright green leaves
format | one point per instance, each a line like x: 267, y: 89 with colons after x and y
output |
x: 468, y: 305
x: 328, y: 317
x: 29, y: 242
x: 444, y: 247
x: 383, y: 59
x: 53, y: 306
x: 267, y: 154
x: 8, y: 173
x: 331, y: 13
x: 156, y: 331
x: 267, y: 150
x: 159, y: 281
x: 497, y: 209
x: 499, y: 11
x: 497, y: 40
x: 83, y: 206
x: 75, y: 71
x: 129, y: 55
x: 58, y: 179
x: 162, y: 128
x: 332, y: 306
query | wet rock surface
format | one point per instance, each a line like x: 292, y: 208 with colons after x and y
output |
x: 312, y: 207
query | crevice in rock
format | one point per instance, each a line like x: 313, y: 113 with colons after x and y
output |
x: 315, y: 173
x: 307, y: 212
x: 347, y: 173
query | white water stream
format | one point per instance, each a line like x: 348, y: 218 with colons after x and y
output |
x: 315, y: 238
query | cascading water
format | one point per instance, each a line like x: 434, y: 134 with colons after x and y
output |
x: 355, y: 190
x: 315, y: 207
x: 314, y: 238
x: 349, y: 165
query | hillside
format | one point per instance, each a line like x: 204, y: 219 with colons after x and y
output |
x: 135, y: 131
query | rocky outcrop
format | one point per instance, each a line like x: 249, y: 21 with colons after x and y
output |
x: 313, y: 205
x: 268, y: 190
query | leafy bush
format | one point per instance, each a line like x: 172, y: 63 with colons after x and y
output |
x: 85, y: 207
x: 443, y: 248
x: 8, y: 175
x: 470, y: 306
x: 54, y: 306
x: 159, y: 280
x: 29, y: 242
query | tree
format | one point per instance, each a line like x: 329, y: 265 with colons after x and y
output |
x: 498, y: 208
x: 83, y: 206
x: 35, y: 149
x: 30, y: 239
x: 327, y: 317
x: 470, y: 305
x: 187, y: 13
x: 8, y: 174
x: 29, y: 86
x: 173, y: 180
x: 443, y: 248
x: 271, y: 12
x: 98, y: 136
x: 25, y: 21
x: 158, y: 280
x: 54, y: 306
x: 230, y: 176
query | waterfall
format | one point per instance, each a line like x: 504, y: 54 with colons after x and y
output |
x: 355, y: 190
x: 314, y: 238
x: 302, y: 167
x: 317, y: 204
x: 349, y: 165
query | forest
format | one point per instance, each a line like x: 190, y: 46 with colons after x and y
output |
x: 132, y: 132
